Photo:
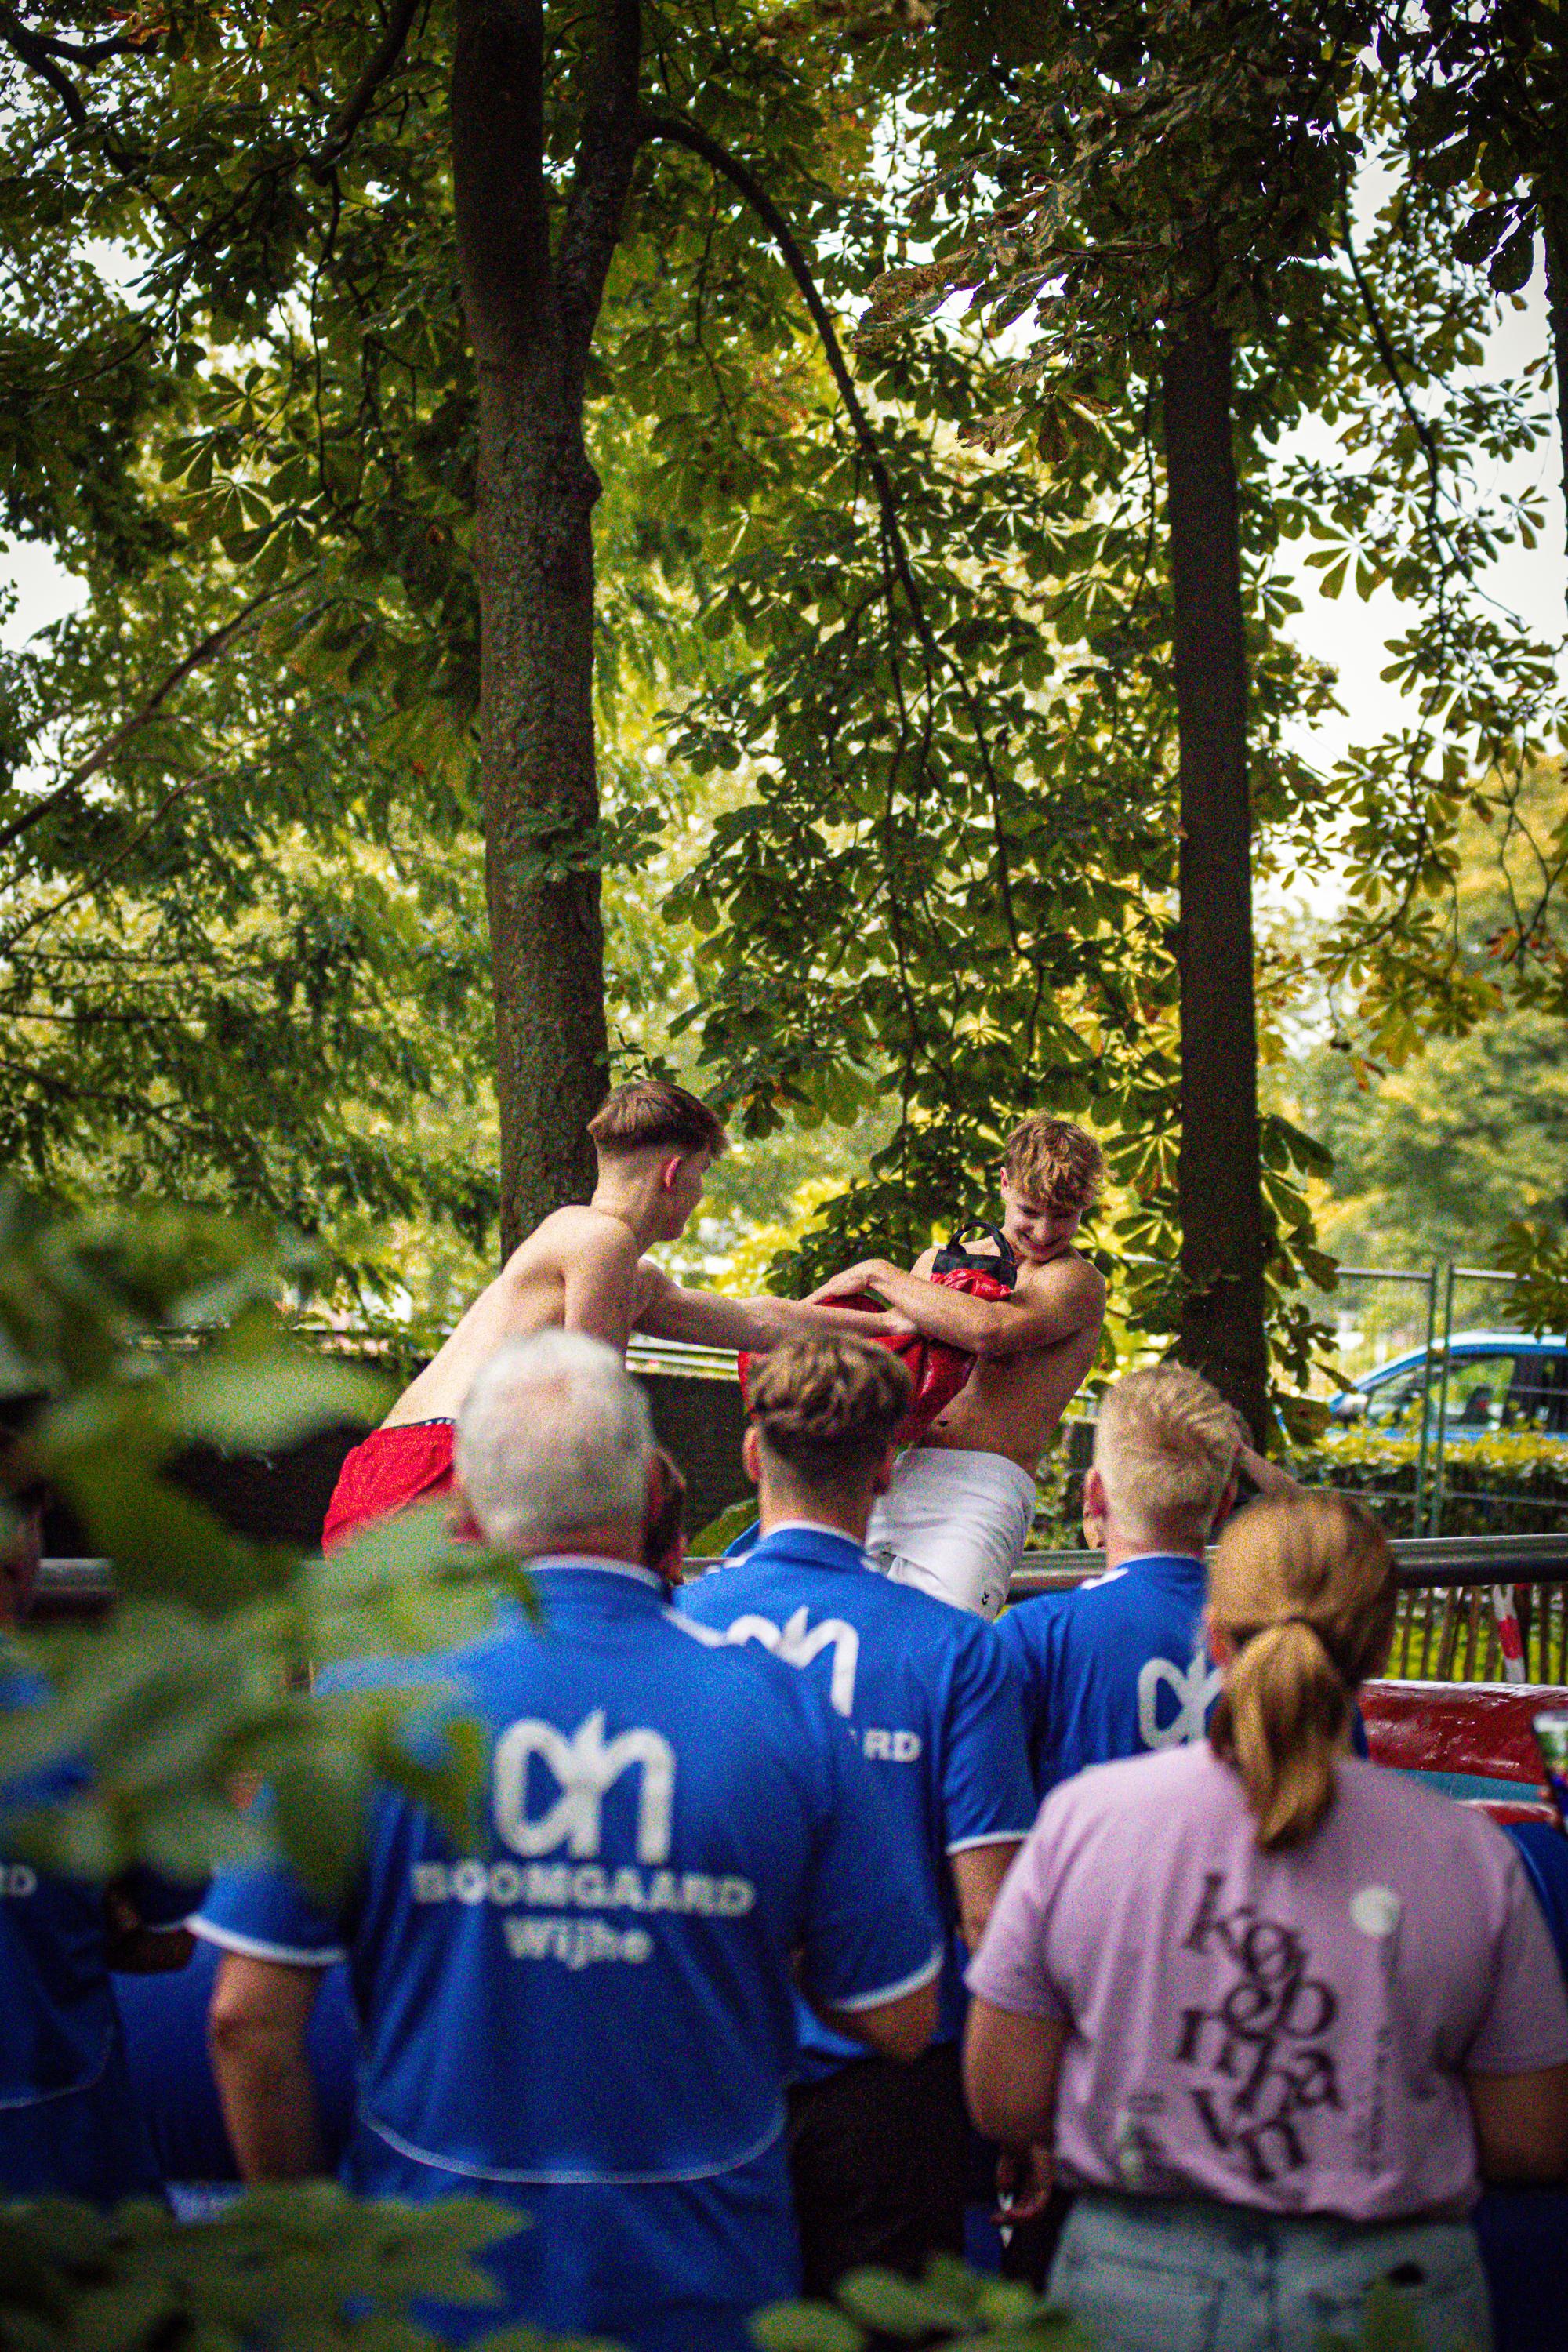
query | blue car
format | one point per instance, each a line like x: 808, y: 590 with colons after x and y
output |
x: 1496, y: 1381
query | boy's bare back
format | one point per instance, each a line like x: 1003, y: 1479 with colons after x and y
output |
x: 581, y: 1267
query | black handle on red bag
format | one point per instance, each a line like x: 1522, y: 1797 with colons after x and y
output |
x: 954, y: 1258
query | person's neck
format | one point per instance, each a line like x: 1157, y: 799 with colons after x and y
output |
x: 1125, y: 1543
x: 634, y: 1201
x: 608, y: 1542
x: 846, y: 1516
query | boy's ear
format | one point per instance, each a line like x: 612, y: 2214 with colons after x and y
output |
x: 750, y: 1455
x: 1094, y: 1497
x: 1224, y: 1507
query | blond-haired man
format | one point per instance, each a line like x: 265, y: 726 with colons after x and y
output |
x: 1119, y: 1667
x: 958, y: 1509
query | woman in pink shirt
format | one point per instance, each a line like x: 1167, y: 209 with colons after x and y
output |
x: 1279, y: 2011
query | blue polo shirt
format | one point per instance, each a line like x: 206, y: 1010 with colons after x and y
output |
x: 68, y: 2125
x: 593, y: 2016
x: 1112, y: 1669
x: 926, y: 1689
x: 1118, y: 1668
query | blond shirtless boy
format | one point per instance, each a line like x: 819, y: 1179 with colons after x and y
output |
x: 956, y: 1516
x: 583, y: 1269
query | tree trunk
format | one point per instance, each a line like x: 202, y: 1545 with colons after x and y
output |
x: 530, y: 318
x: 1221, y: 1332
x: 1554, y: 213
x: 536, y: 494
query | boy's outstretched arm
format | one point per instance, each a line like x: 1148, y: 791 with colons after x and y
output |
x: 665, y: 1311
x: 1267, y: 1476
x: 1065, y: 1296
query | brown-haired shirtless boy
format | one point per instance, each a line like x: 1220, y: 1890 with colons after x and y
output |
x: 583, y: 1269
x: 956, y: 1515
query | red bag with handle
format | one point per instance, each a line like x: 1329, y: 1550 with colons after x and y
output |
x: 938, y: 1371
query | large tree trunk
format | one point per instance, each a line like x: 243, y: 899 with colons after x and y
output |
x: 531, y: 317
x: 536, y: 494
x: 1221, y: 1332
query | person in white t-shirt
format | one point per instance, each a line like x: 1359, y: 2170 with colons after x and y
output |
x: 1280, y: 2010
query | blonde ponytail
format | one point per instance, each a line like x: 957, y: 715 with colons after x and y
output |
x: 1304, y: 1592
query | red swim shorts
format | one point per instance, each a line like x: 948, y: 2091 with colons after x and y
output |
x: 410, y: 1462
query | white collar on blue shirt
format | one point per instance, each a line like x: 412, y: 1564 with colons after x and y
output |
x: 600, y: 1563
x: 1135, y: 1559
x: 813, y: 1527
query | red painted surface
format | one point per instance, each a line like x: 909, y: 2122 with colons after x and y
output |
x: 1483, y: 1728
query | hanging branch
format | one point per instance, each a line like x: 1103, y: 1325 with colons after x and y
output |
x: 36, y: 52
x: 679, y: 132
x: 83, y: 53
x: 1386, y: 353
x: 41, y: 54
x: 94, y: 882
x: 320, y: 166
x: 208, y: 650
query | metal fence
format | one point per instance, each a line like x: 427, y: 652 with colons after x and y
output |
x: 1410, y: 1309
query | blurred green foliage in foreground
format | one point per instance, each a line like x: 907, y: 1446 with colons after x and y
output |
x: 135, y: 1334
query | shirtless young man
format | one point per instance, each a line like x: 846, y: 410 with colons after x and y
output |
x: 956, y: 1515
x: 583, y: 1270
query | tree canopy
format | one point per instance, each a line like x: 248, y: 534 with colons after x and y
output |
x: 239, y: 405
x: 915, y: 664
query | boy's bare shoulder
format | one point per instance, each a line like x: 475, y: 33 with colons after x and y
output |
x: 574, y: 1233
x: 1067, y: 1278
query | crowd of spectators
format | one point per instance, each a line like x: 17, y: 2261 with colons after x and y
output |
x: 806, y: 1903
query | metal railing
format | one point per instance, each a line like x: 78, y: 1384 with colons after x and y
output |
x: 64, y: 1587
x: 1458, y: 1595
x: 1449, y: 1562
x: 681, y: 1359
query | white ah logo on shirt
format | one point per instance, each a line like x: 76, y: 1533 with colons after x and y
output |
x: 1194, y: 1689
x: 798, y: 1642
x: 584, y: 1766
